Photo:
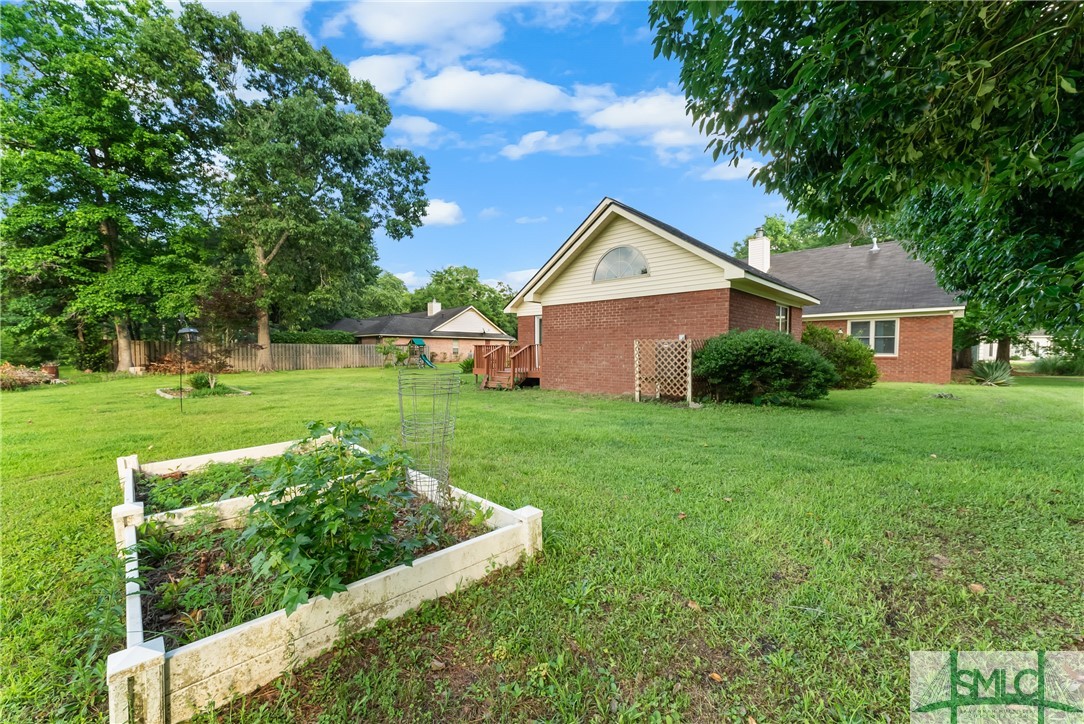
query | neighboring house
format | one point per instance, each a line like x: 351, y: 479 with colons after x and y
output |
x: 450, y: 334
x: 624, y: 275
x: 1038, y: 345
x: 880, y: 295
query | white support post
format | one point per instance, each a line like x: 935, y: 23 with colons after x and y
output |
x: 124, y: 516
x: 689, y: 371
x: 136, y: 678
x: 636, y: 367
x: 532, y: 519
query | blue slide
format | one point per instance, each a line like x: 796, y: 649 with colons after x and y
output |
x: 427, y: 362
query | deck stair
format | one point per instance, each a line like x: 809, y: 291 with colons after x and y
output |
x: 506, y: 367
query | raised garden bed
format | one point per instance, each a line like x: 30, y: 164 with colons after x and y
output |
x: 193, y: 580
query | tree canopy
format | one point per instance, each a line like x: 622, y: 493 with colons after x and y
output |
x: 861, y: 106
x: 104, y: 133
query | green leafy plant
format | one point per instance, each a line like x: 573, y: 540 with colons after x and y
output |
x: 216, y: 481
x: 762, y: 366
x: 313, y: 336
x: 852, y: 359
x: 335, y: 514
x: 1059, y: 365
x: 992, y: 373
x: 200, y: 381
x: 466, y: 365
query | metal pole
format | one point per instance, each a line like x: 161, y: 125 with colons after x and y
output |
x: 180, y: 380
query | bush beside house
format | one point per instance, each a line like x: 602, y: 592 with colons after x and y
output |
x: 852, y: 360
x: 313, y: 336
x: 762, y: 366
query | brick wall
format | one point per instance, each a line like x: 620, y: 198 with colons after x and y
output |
x: 588, y: 347
x: 748, y: 311
x: 526, y: 330
x: 925, y: 349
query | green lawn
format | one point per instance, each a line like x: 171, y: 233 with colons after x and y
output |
x: 799, y: 554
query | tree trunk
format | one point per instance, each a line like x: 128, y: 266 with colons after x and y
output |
x: 1004, y: 349
x: 963, y: 359
x: 124, y: 346
x: 263, y: 339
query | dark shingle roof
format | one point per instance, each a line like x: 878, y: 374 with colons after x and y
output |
x: 414, y: 324
x: 856, y: 279
x: 794, y: 285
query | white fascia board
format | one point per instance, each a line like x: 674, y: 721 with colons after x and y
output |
x: 796, y: 298
x: 925, y: 312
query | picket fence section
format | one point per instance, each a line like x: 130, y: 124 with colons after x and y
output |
x: 284, y: 357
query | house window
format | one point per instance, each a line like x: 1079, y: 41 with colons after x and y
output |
x: 782, y: 318
x: 455, y: 347
x: 881, y: 335
x: 624, y: 261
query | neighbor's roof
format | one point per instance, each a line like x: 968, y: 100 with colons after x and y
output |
x: 414, y: 324
x: 857, y: 279
x: 608, y: 207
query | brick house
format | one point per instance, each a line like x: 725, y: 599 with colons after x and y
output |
x: 880, y: 295
x: 449, y: 334
x: 623, y: 275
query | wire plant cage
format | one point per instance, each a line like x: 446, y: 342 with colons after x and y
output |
x: 428, y: 406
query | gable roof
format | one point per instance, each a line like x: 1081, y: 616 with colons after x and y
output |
x: 414, y: 324
x: 735, y: 268
x: 850, y: 279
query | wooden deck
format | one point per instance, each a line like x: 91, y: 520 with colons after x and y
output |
x: 507, y: 366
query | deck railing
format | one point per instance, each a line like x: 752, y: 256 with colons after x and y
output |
x: 525, y: 360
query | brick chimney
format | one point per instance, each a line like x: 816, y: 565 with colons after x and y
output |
x: 432, y: 308
x: 760, y: 251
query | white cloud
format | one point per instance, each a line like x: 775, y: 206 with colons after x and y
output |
x: 657, y: 118
x: 518, y: 278
x: 417, y: 132
x: 467, y: 91
x: 490, y: 212
x: 387, y: 73
x: 445, y: 30
x: 566, y: 143
x: 443, y: 213
x: 413, y: 280
x: 532, y: 219
x: 726, y: 172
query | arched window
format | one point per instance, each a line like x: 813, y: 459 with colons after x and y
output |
x: 624, y: 261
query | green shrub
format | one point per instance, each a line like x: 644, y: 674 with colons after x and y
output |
x: 466, y: 365
x: 992, y: 373
x: 313, y: 336
x: 200, y: 381
x: 1059, y: 365
x: 852, y: 359
x: 96, y: 356
x: 336, y: 514
x: 762, y: 366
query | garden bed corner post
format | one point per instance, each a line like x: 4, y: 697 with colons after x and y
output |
x: 532, y: 526
x: 136, y: 678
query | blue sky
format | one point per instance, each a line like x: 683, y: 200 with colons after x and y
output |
x: 528, y: 114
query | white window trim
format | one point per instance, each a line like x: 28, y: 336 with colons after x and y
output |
x: 594, y: 272
x: 873, y: 327
x: 785, y: 317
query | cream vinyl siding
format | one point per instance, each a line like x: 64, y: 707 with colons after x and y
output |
x: 671, y: 269
x: 470, y: 322
x: 528, y: 309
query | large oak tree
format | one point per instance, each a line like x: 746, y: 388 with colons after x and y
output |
x: 863, y: 108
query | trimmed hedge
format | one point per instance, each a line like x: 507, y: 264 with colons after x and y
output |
x: 313, y: 336
x: 852, y: 359
x: 762, y: 366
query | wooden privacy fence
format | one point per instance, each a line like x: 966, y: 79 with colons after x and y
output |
x: 284, y: 357
x: 664, y: 368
